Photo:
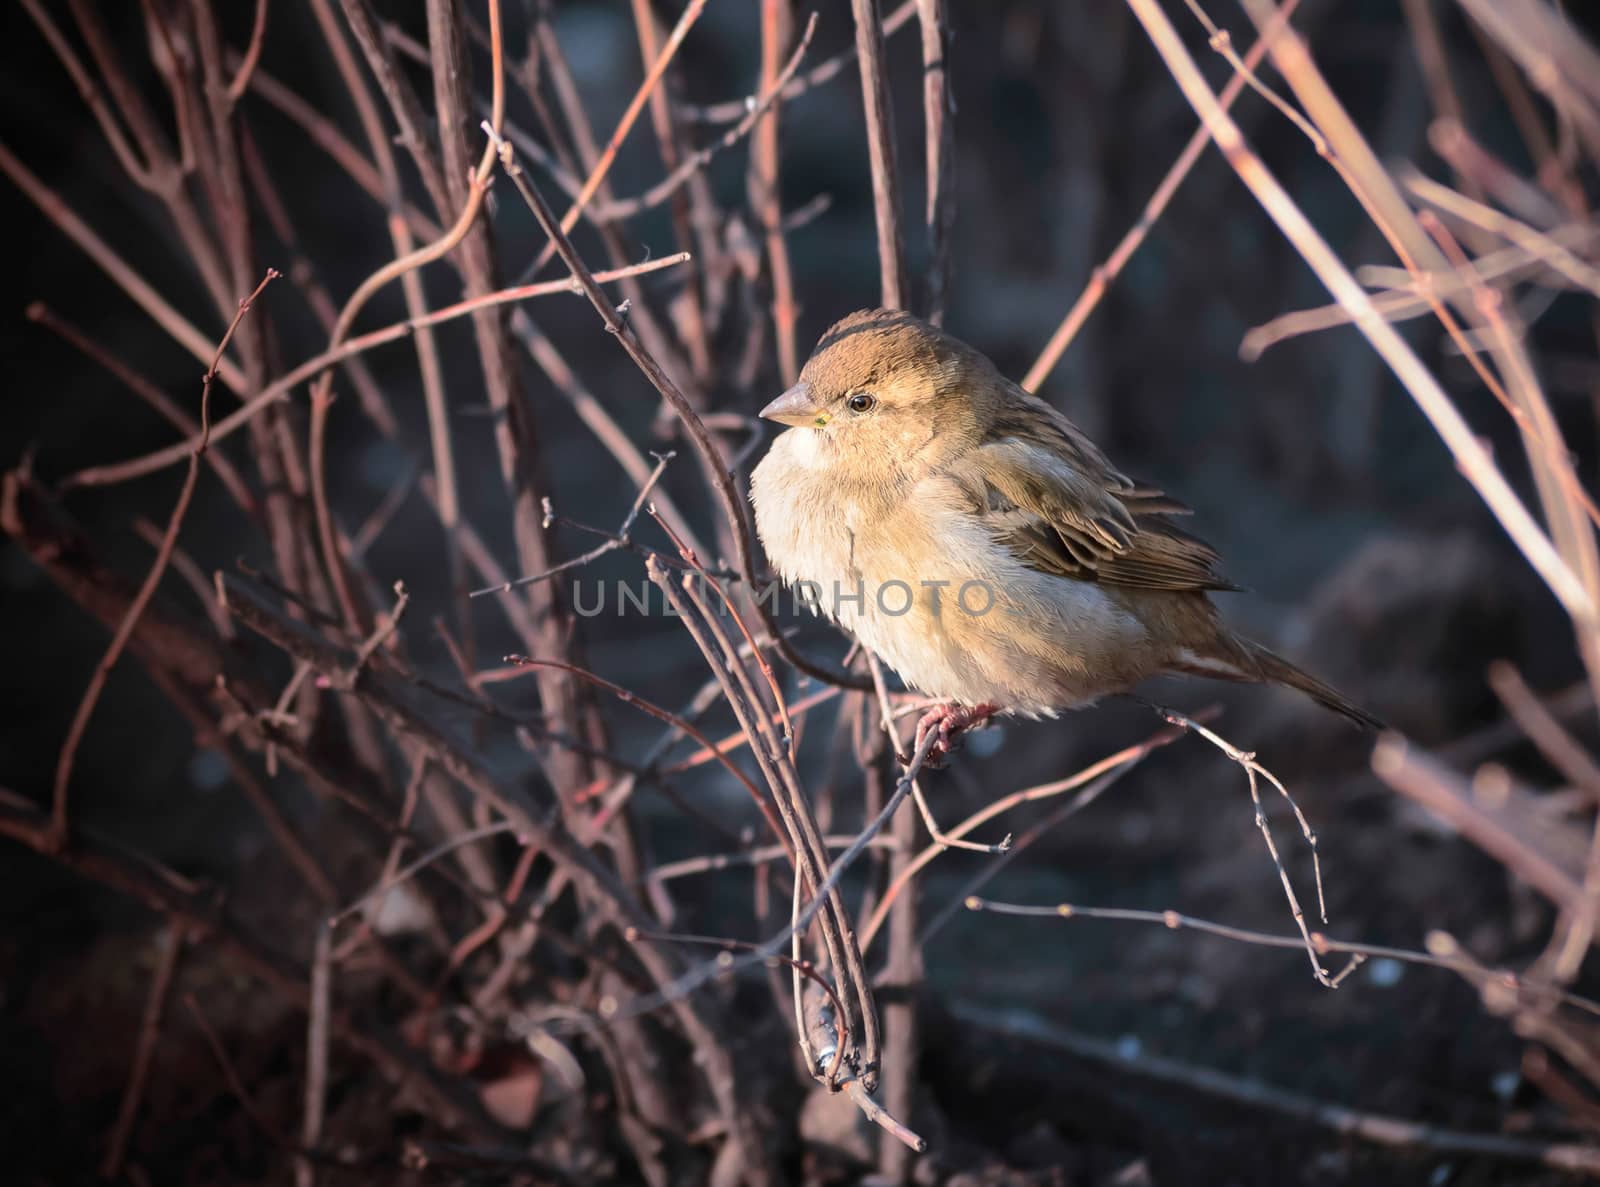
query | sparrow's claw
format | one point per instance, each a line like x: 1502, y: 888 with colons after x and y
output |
x: 949, y: 722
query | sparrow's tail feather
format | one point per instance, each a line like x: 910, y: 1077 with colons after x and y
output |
x: 1241, y: 659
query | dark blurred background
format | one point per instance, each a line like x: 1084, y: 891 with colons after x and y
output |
x: 1366, y: 557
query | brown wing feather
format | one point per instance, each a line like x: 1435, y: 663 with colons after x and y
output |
x: 1060, y: 506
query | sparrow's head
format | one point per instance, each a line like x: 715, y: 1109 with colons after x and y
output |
x: 885, y: 384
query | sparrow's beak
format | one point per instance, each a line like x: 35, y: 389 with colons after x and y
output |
x: 797, y: 406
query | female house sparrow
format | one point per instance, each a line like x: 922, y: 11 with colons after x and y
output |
x: 978, y: 542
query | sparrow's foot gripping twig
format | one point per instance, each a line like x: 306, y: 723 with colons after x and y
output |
x: 949, y: 722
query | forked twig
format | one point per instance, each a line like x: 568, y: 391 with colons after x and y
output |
x: 1253, y: 772
x: 622, y: 539
x: 1105, y: 274
x: 941, y: 839
x: 147, y: 589
x: 1089, y: 783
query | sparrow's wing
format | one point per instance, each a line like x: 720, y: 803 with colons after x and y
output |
x: 1052, y: 498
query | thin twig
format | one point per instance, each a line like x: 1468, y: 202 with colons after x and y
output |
x: 696, y: 977
x: 1449, y: 960
x: 622, y: 539
x: 1401, y: 304
x: 802, y: 968
x: 381, y: 634
x: 1537, y: 244
x: 712, y: 862
x: 252, y: 54
x: 761, y: 108
x: 1092, y: 781
x: 938, y: 112
x: 155, y: 1007
x: 1254, y: 771
x: 124, y: 631
x: 660, y: 714
x: 652, y: 79
x: 880, y: 151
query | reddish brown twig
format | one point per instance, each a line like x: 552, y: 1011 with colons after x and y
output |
x: 822, y: 72
x: 660, y: 714
x: 147, y: 391
x: 252, y: 54
x: 881, y: 153
x: 1094, y: 779
x: 124, y: 631
x: 938, y: 117
x: 1102, y: 278
x: 622, y: 538
x: 281, y: 388
x: 763, y: 185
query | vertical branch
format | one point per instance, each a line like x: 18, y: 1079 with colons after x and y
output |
x: 901, y: 976
x: 880, y: 148
x: 252, y: 54
x: 692, y: 318
x: 316, y: 1097
x: 601, y: 165
x: 766, y: 197
x: 428, y: 363
x: 938, y: 106
x: 515, y: 435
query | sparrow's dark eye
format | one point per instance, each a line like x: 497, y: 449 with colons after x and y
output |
x: 862, y: 402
